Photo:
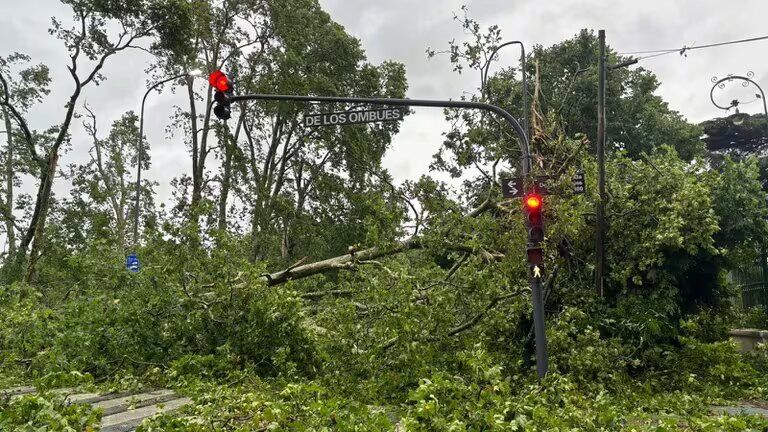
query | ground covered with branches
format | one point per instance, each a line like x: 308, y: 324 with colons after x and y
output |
x: 432, y: 338
x: 295, y: 285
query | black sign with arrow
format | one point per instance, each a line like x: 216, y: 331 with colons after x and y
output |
x: 512, y: 188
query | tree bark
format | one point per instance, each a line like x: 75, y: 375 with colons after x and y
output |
x: 340, y: 262
x: 230, y: 145
x: 44, y: 203
x: 196, y: 182
x: 112, y: 190
x: 9, y: 175
x: 199, y: 178
x: 263, y: 180
x: 349, y: 260
x: 36, y: 229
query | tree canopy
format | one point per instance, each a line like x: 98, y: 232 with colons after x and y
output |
x: 738, y: 135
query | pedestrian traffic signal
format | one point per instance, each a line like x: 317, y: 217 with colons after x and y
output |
x: 223, y: 95
x: 535, y: 256
x: 534, y: 204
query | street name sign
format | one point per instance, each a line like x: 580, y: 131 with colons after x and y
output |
x: 354, y: 117
x: 579, y: 183
x: 542, y: 185
x: 132, y: 263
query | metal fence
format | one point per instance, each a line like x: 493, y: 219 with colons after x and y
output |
x: 751, y: 278
x: 754, y: 295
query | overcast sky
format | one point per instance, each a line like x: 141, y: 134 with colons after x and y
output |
x: 402, y: 30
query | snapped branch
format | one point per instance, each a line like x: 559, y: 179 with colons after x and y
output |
x: 350, y: 260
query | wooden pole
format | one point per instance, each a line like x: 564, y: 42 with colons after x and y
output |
x: 600, y: 223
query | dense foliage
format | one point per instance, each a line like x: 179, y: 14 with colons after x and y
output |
x: 737, y: 134
x: 422, y: 321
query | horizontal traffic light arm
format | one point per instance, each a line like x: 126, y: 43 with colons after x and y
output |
x: 525, y: 157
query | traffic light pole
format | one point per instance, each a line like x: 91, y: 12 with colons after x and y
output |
x: 525, y: 160
x: 539, y: 329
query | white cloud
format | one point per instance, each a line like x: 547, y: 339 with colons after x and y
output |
x: 402, y: 30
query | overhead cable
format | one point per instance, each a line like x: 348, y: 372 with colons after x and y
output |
x: 685, y: 49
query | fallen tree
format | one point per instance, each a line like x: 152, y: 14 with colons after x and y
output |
x: 354, y: 257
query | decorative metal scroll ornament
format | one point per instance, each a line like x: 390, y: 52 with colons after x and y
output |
x: 746, y: 81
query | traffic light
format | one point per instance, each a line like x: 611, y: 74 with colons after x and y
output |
x: 534, y: 206
x: 224, y: 92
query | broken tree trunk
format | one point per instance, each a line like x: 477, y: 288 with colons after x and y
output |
x: 348, y: 261
x: 340, y: 262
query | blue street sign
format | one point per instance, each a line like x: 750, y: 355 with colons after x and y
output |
x: 132, y: 263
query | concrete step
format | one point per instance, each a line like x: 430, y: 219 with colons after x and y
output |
x: 127, y: 421
x: 17, y: 391
x: 124, y: 411
x: 118, y: 405
x: 90, y: 398
x: 743, y: 408
x: 23, y: 391
x: 73, y: 395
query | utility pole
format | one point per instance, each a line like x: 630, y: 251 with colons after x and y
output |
x: 600, y: 222
x: 534, y: 213
x: 600, y: 225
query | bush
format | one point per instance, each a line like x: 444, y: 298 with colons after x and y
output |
x: 717, y: 369
x: 758, y: 359
x: 755, y: 317
x: 153, y: 318
x: 46, y: 412
x: 578, y: 350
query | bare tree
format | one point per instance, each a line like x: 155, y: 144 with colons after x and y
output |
x: 86, y: 41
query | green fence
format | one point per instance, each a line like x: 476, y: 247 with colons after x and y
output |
x: 752, y: 281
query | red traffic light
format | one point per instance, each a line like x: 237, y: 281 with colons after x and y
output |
x: 533, y: 202
x: 535, y: 223
x: 219, y: 81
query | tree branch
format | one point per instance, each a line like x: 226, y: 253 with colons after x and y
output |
x: 20, y: 121
x: 340, y: 262
x: 8, y: 215
x: 456, y: 266
x: 462, y: 327
x: 348, y: 261
x: 115, y: 48
x: 479, y: 316
x: 320, y: 294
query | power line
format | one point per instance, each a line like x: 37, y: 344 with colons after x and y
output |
x: 725, y: 43
x: 648, y: 52
x: 656, y: 55
x: 684, y: 49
